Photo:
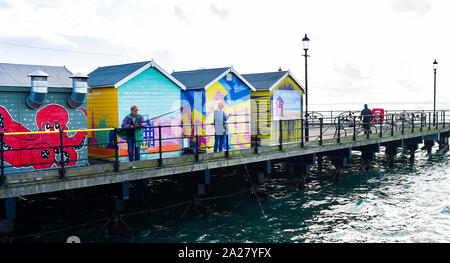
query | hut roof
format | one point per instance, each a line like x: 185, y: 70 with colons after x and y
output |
x: 117, y: 75
x: 269, y: 80
x: 17, y: 75
x: 204, y: 78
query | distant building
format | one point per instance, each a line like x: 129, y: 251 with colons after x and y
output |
x: 42, y: 98
x: 278, y: 96
x: 205, y: 88
x: 145, y: 84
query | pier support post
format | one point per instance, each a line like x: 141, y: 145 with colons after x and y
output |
x: 368, y: 153
x: 320, y: 163
x: 268, y: 167
x: 392, y: 150
x: 260, y: 178
x: 339, y: 164
x: 203, y: 179
x: 412, y: 148
x: 368, y: 157
x: 412, y: 145
x: 207, y: 177
x: 428, y: 145
x: 124, y: 194
x: 339, y: 160
x: 305, y: 162
x: 443, y: 142
x: 302, y: 173
x: 10, y: 208
x: 7, y: 224
x: 68, y: 198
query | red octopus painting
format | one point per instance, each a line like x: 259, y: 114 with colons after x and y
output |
x: 41, y: 151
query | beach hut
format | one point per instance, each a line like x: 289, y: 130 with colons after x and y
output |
x: 145, y: 84
x: 37, y: 98
x: 205, y: 88
x: 278, y: 96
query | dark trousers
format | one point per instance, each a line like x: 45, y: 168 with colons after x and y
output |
x: 218, y: 142
x: 133, y: 148
x: 366, y: 127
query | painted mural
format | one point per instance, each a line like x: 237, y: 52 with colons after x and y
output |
x: 286, y: 105
x: 51, y: 117
x: 198, y: 108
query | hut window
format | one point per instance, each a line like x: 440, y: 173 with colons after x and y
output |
x: 229, y: 77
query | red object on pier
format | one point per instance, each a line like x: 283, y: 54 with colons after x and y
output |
x: 378, y: 115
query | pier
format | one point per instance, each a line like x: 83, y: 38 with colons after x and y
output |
x: 334, y: 138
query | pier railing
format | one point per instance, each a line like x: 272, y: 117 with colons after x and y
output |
x: 240, y: 133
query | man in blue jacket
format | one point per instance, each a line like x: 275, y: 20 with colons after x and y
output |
x: 134, y: 136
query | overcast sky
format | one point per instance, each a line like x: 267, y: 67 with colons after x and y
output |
x: 360, y: 51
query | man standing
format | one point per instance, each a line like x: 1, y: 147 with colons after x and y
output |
x: 366, y: 115
x: 134, y: 135
x: 220, y: 117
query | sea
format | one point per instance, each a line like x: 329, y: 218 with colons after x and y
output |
x: 406, y: 203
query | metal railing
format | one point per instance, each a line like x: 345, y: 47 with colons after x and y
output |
x: 323, y: 130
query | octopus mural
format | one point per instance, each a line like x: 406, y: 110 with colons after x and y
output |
x: 41, y: 151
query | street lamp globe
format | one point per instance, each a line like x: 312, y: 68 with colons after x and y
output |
x: 435, y: 64
x: 305, y: 42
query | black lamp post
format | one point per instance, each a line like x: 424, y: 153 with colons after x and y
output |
x: 434, y: 104
x: 305, y: 47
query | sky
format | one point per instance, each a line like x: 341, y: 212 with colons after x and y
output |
x: 360, y: 51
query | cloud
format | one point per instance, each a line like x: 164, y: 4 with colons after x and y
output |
x: 222, y: 13
x: 419, y: 7
x: 179, y: 13
x: 350, y: 71
x: 3, y: 5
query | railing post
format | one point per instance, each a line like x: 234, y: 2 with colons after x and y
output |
x: 2, y: 164
x: 321, y: 130
x: 302, y: 143
x: 437, y: 120
x: 403, y: 124
x: 381, y: 126
x: 281, y: 135
x: 354, y: 128
x: 196, y: 143
x: 339, y: 130
x: 227, y: 151
x: 256, y: 138
x: 160, y: 160
x: 412, y: 123
x: 443, y: 119
x: 421, y: 122
x: 392, y: 125
x: 429, y: 121
x: 116, y: 152
x: 62, y: 171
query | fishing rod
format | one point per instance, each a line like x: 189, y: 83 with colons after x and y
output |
x: 180, y: 109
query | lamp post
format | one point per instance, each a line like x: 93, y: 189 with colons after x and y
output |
x: 434, y: 101
x: 305, y: 47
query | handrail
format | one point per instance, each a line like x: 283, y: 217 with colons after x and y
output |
x: 273, y: 132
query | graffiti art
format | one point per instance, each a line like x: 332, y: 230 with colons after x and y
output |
x: 41, y: 151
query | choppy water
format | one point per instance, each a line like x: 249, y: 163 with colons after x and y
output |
x: 408, y: 203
